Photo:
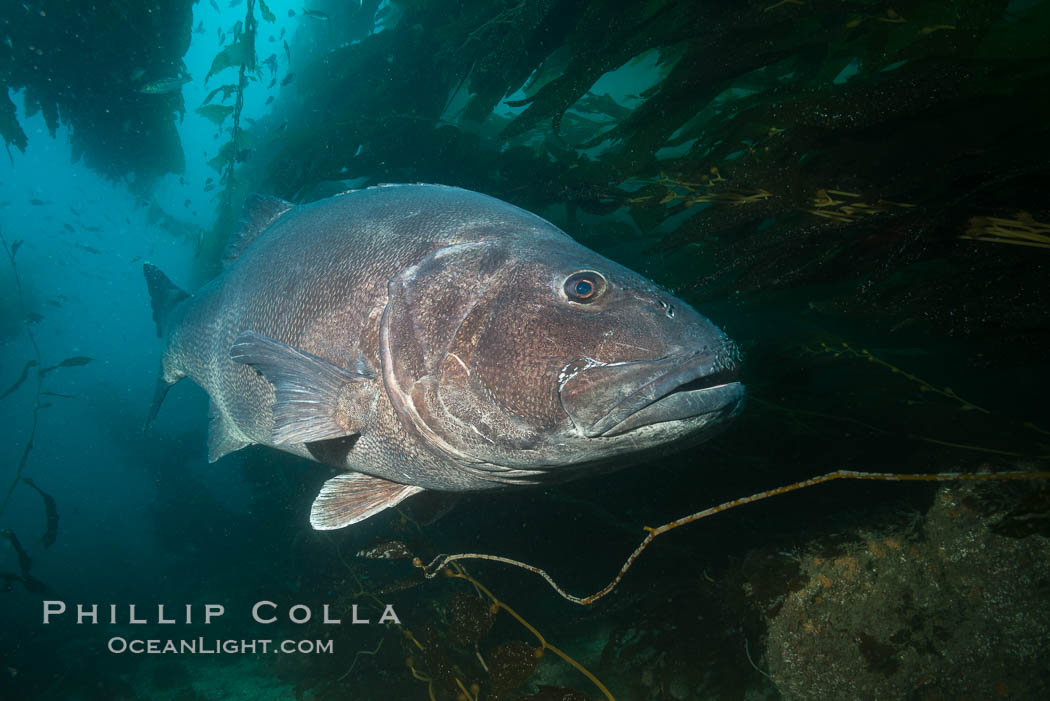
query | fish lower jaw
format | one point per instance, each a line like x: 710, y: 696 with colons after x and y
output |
x: 683, y: 411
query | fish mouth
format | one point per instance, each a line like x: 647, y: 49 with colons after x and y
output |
x: 703, y: 394
x: 642, y: 393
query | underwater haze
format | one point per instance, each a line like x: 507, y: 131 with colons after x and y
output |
x: 857, y: 193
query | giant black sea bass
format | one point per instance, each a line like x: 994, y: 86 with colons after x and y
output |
x: 422, y: 337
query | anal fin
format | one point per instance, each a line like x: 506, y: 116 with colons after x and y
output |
x: 352, y: 497
x: 222, y: 439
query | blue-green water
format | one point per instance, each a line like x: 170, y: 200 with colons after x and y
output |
x: 855, y: 192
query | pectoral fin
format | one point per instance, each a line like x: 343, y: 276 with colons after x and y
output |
x: 311, y: 395
x: 352, y: 497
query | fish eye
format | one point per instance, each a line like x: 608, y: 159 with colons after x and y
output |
x: 584, y: 286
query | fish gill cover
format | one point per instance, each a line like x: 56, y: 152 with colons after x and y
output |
x: 855, y: 191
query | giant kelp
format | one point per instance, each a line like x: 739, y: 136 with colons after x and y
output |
x: 101, y: 70
x: 50, y: 507
x: 840, y: 144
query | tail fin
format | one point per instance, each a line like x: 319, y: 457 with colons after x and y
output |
x: 164, y: 295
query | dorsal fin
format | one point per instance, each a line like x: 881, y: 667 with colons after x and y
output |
x: 260, y: 211
x: 164, y: 295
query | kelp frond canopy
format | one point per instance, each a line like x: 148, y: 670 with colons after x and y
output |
x: 109, y: 70
x: 839, y: 143
x: 786, y: 145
